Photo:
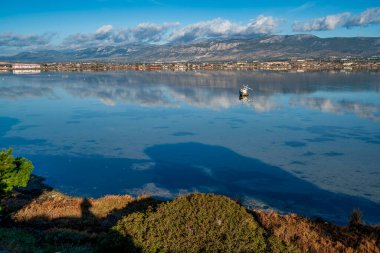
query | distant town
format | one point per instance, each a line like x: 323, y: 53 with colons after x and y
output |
x: 292, y: 65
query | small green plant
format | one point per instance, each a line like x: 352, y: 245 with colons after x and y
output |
x: 194, y: 223
x: 13, y: 171
x: 356, y: 217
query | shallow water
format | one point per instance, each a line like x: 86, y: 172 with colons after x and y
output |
x: 303, y: 142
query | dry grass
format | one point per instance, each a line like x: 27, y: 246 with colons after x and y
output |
x: 51, y: 205
x: 103, y: 206
x: 313, y: 236
x: 54, y: 216
x: 55, y: 209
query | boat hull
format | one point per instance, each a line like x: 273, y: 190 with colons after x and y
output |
x: 243, y: 92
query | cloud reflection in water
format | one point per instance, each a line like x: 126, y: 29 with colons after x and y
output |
x: 289, y: 122
x: 362, y: 110
x: 213, y: 90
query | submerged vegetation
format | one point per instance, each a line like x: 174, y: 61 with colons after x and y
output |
x: 41, y: 219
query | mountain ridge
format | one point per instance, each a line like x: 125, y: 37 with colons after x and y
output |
x: 264, y: 47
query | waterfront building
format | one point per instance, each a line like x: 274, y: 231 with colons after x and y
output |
x: 25, y: 66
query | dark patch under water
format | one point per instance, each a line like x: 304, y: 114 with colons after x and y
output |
x: 295, y: 144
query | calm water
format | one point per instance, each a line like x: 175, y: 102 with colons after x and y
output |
x: 305, y: 142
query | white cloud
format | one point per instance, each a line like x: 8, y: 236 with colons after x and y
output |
x: 367, y: 17
x: 263, y: 24
x: 345, y: 19
x: 212, y: 28
x: 104, y: 29
x: 223, y: 28
x: 33, y: 41
x: 151, y: 32
x: 322, y: 24
x: 106, y: 35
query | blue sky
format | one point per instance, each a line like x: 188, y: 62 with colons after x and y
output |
x: 40, y: 24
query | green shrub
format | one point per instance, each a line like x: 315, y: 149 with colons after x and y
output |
x: 195, y: 223
x: 13, y: 171
x: 17, y: 240
x: 67, y: 236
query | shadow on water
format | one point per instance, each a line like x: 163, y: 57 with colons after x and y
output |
x: 6, y: 124
x: 187, y: 167
x: 220, y: 170
x: 174, y: 168
x: 92, y: 176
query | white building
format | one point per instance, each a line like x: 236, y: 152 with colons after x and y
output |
x: 25, y: 66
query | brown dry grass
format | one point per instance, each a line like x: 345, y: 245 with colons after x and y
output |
x: 55, y: 205
x: 313, y: 236
x: 103, y: 206
x: 45, y: 209
x: 55, y: 209
x: 51, y: 205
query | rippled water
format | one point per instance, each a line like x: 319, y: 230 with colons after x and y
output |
x: 304, y: 142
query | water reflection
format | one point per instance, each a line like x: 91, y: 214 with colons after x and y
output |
x: 260, y: 103
x: 25, y: 71
x: 181, y: 168
x: 302, y: 142
x: 201, y: 89
x: 361, y: 109
x: 247, y: 178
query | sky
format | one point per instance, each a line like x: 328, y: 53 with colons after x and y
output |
x: 74, y: 24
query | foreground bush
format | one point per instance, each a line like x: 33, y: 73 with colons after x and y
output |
x: 18, y: 240
x: 13, y: 171
x: 195, y: 223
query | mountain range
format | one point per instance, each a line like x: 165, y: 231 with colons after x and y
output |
x: 263, y: 47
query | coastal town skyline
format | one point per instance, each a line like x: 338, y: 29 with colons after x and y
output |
x: 74, y: 25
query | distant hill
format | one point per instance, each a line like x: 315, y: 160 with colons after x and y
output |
x: 266, y: 47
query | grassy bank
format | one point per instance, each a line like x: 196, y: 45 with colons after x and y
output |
x: 41, y: 219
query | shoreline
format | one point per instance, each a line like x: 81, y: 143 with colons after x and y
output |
x: 300, y: 65
x: 40, y: 209
x: 37, y: 187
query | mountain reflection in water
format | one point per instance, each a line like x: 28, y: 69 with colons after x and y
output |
x: 303, y: 142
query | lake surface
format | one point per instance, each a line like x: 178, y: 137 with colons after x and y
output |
x: 304, y: 142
